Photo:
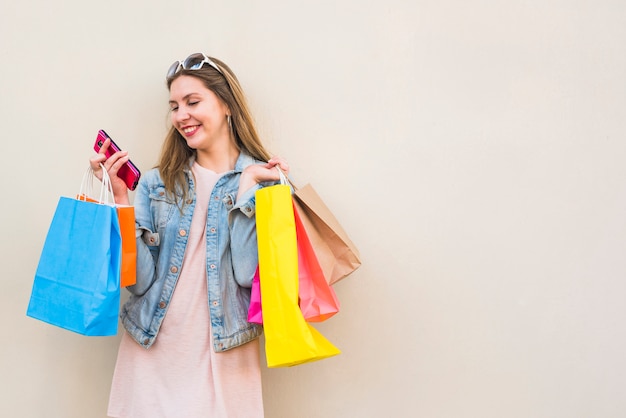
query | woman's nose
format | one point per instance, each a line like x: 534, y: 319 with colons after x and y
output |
x: 181, y: 115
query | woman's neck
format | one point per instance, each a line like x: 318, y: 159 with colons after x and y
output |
x: 219, y: 159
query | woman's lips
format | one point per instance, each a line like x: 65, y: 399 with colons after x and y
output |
x: 190, y: 130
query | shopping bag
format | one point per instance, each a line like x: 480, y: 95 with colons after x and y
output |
x: 76, y: 285
x: 336, y: 253
x: 255, y: 314
x: 128, y: 273
x: 317, y: 299
x: 289, y: 339
x: 126, y: 218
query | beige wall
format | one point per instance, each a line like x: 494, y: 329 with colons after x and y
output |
x: 474, y: 150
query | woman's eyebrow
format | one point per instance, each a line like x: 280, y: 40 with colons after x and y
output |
x: 184, y: 98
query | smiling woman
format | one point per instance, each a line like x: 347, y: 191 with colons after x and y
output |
x: 202, y: 119
x: 186, y: 319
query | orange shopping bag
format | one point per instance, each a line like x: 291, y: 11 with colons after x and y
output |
x: 126, y: 216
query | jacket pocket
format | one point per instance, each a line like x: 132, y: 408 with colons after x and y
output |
x: 162, y: 206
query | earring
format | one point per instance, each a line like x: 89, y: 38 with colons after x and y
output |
x: 230, y: 122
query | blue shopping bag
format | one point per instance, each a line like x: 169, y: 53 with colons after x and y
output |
x: 77, y: 282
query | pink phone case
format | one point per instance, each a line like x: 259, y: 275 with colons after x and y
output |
x: 129, y: 172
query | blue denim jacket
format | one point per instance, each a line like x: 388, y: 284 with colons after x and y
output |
x: 231, y: 257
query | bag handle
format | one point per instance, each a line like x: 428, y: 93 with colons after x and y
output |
x: 283, y: 178
x: 106, y: 189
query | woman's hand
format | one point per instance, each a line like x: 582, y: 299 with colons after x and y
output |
x: 266, y: 172
x: 258, y: 173
x: 112, y: 166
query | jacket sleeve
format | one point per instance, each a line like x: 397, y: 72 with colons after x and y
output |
x: 243, y: 239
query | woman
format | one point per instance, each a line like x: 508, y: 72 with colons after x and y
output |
x: 188, y: 350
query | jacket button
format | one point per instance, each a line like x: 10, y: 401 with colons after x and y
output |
x: 215, y: 303
x: 212, y: 266
x: 173, y: 269
x: 162, y: 304
x: 146, y: 341
x: 182, y: 232
x: 213, y: 230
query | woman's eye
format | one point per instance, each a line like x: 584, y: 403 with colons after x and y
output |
x: 173, y: 109
x: 193, y: 103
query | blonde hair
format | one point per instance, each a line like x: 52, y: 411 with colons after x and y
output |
x: 175, y: 153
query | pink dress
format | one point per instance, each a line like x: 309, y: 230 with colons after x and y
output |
x: 181, y: 375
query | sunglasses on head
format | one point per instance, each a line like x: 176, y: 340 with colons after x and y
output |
x: 192, y: 62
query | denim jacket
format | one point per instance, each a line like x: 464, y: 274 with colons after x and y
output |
x: 162, y: 229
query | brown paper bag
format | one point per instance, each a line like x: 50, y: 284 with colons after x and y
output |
x: 336, y: 253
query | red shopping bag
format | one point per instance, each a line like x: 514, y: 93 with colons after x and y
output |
x: 317, y: 299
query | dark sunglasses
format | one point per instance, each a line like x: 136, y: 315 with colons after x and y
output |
x: 192, y: 62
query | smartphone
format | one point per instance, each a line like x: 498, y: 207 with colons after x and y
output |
x: 129, y: 172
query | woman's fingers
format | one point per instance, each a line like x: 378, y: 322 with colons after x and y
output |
x: 280, y: 162
x: 115, y: 162
x: 96, y: 160
x: 111, y: 164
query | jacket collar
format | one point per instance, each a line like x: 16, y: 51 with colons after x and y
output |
x: 243, y: 161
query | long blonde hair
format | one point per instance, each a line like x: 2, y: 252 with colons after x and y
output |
x: 175, y: 153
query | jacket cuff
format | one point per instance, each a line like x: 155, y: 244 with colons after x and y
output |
x: 246, y: 203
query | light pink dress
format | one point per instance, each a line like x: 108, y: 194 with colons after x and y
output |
x: 181, y: 375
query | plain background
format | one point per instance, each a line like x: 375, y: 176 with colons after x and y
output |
x: 474, y: 151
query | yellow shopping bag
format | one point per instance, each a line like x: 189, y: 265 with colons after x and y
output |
x: 289, y: 339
